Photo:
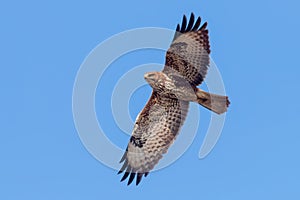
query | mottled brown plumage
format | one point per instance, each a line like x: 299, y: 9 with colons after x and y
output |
x: 158, y: 124
x: 188, y: 54
x: 154, y: 131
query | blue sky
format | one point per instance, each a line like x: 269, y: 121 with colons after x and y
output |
x: 255, y: 45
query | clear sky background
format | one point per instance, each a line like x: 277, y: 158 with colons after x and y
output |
x: 256, y: 47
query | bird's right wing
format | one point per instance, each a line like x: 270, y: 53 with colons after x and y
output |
x: 189, y: 52
x: 155, y: 129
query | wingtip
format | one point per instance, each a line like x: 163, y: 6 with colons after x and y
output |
x: 203, y: 27
x: 178, y: 27
x: 197, y: 24
x: 125, y: 176
x: 123, y: 167
x: 124, y: 155
x: 183, y: 25
x: 146, y: 174
x: 138, y: 178
x: 191, y: 22
x: 131, y: 178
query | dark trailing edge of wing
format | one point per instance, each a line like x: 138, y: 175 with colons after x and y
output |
x: 191, y: 26
x: 130, y: 172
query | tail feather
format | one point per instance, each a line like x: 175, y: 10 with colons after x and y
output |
x: 213, y: 102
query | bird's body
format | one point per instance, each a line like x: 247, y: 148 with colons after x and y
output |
x: 158, y: 124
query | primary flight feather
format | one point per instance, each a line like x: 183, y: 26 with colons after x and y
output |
x: 158, y: 124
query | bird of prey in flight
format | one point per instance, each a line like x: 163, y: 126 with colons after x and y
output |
x: 173, y: 88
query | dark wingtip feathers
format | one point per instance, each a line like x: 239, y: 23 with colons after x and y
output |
x: 203, y: 27
x: 183, y: 25
x: 123, y: 167
x: 187, y: 26
x: 138, y: 178
x: 124, y: 156
x: 178, y: 27
x: 197, y: 24
x: 125, y: 176
x: 131, y: 177
x: 191, y: 22
x: 131, y: 173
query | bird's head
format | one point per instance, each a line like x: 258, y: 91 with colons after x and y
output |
x: 158, y: 80
x: 151, y: 77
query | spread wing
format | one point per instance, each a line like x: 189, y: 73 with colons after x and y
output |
x: 188, y: 54
x: 155, y: 129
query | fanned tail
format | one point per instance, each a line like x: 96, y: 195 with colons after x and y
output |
x: 213, y: 102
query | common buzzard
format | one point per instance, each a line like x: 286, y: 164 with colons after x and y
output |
x: 158, y: 124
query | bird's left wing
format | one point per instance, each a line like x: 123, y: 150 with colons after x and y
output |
x: 155, y: 129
